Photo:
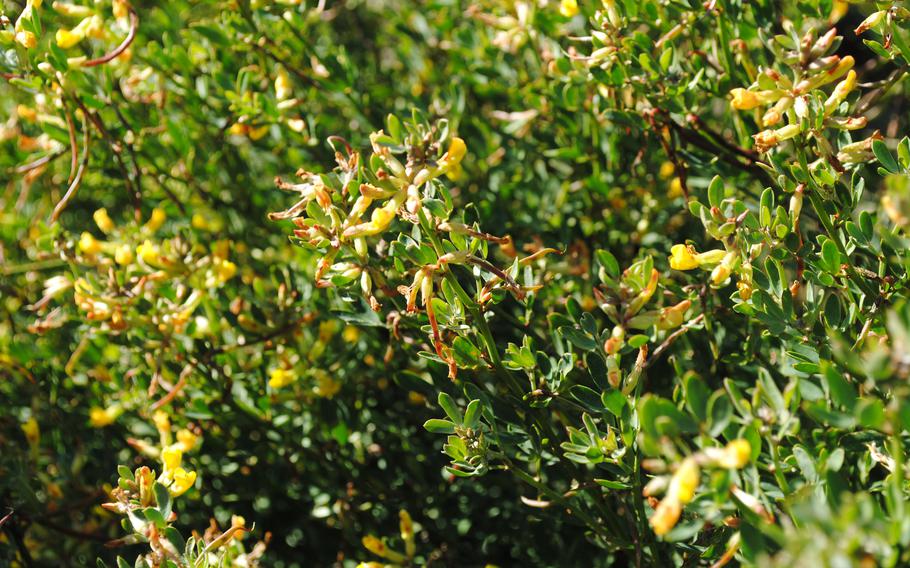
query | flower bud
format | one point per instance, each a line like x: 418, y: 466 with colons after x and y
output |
x: 616, y: 340
x: 711, y: 257
x: 88, y: 244
x: 744, y: 99
x: 155, y: 220
x: 673, y: 316
x: 870, y: 22
x: 840, y: 92
x: 103, y: 220
x: 796, y: 206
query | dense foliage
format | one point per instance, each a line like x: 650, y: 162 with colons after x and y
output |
x: 508, y: 283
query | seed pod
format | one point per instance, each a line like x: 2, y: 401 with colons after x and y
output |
x: 796, y: 206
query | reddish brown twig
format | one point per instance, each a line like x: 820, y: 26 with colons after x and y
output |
x: 134, y: 27
x: 77, y: 180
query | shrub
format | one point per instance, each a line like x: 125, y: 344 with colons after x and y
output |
x: 540, y: 283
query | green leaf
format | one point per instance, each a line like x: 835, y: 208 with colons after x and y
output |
x: 439, y: 426
x: 609, y: 484
x: 606, y: 259
x: 472, y: 414
x: 614, y: 401
x: 831, y: 256
x: 884, y: 156
x: 842, y: 393
x: 448, y: 405
x: 716, y: 191
x: 163, y: 499
x: 720, y: 412
x: 587, y: 397
x: 578, y: 338
x: 466, y: 354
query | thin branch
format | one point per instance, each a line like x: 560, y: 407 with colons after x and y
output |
x: 134, y: 27
x: 42, y: 161
x: 117, y: 150
x: 74, y: 153
x: 670, y: 339
x: 181, y: 382
x: 77, y: 180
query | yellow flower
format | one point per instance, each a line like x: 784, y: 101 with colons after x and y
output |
x: 238, y: 129
x: 680, y: 492
x: 379, y: 548
x: 744, y: 99
x: 26, y: 39
x: 667, y: 169
x: 67, y: 39
x: 685, y: 481
x: 568, y: 8
x: 382, y: 217
x: 682, y: 257
x: 27, y: 114
x: 162, y: 422
x: 259, y: 132
x: 100, y: 417
x: 208, y: 221
x: 88, y: 244
x: 91, y: 26
x: 455, y: 173
x: 665, y: 516
x: 675, y: 188
x: 350, y: 334
x: 406, y: 527
x: 186, y: 440
x: 452, y: 157
x: 225, y: 270
x: 148, y: 253
x: 121, y: 9
x: 283, y: 87
x: 326, y: 386
x: 156, y: 220
x: 745, y: 289
x: 183, y: 480
x: 124, y: 254
x: 736, y: 455
x: 32, y: 431
x: 171, y: 457
x: 103, y: 220
x: 280, y: 378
